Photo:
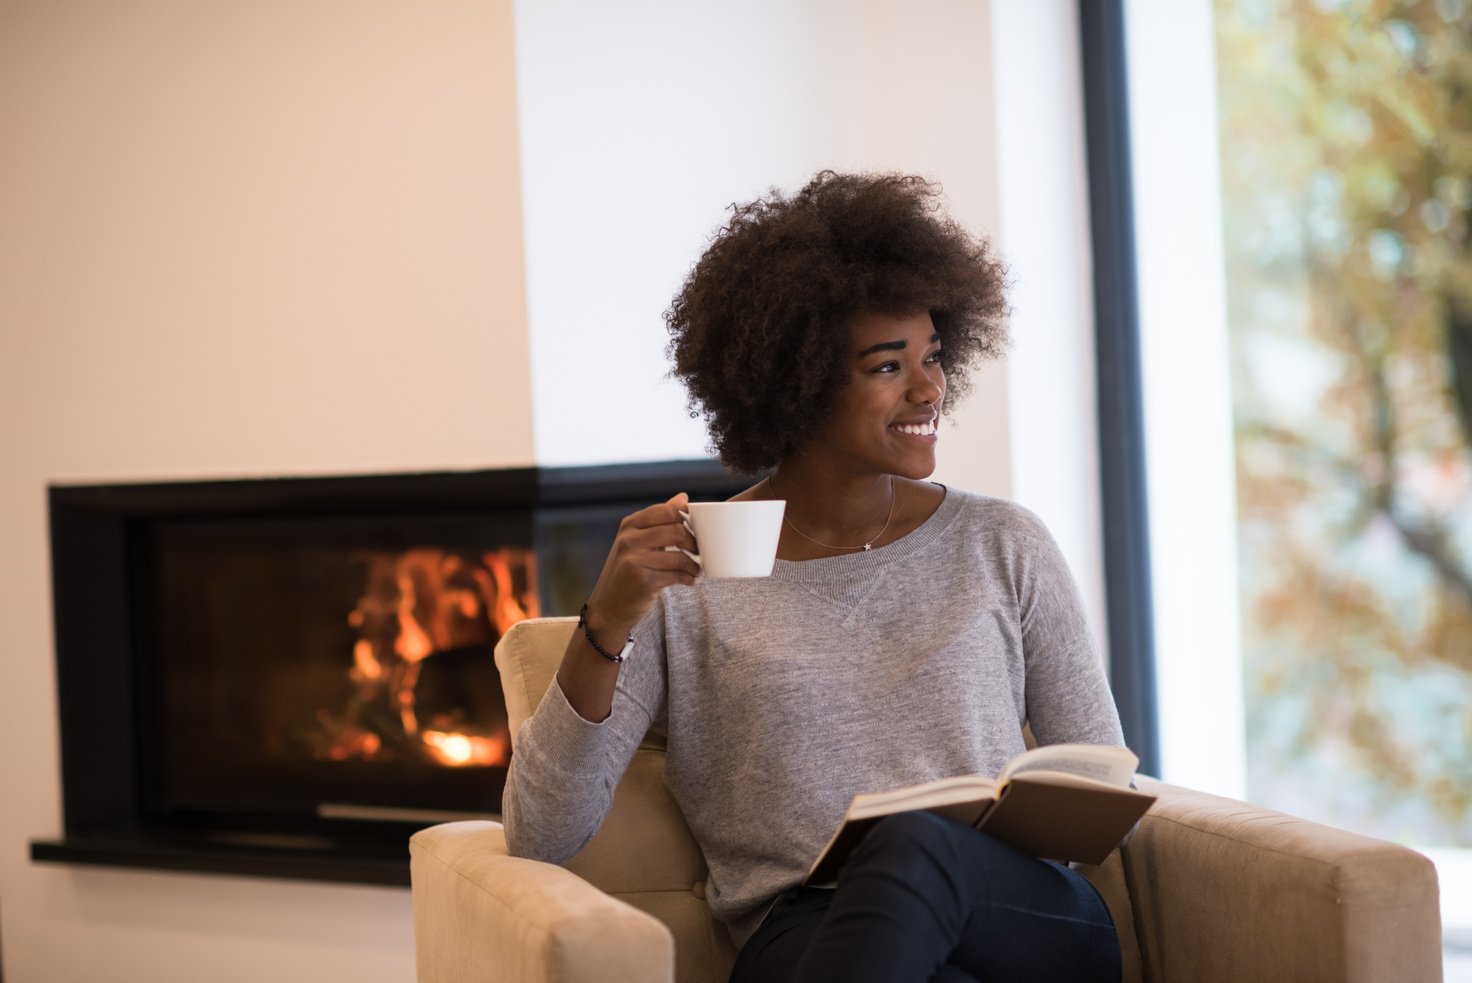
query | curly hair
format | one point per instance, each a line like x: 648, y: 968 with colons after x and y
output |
x: 759, y: 330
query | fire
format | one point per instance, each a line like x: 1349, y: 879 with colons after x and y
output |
x: 366, y: 668
x: 426, y: 618
x: 457, y: 750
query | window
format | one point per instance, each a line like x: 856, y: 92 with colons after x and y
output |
x: 1302, y: 176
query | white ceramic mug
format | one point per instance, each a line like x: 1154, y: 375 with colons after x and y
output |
x: 736, y: 539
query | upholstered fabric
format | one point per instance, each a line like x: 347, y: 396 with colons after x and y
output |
x: 527, y: 658
x: 1208, y: 890
x: 1225, y: 891
x: 481, y: 916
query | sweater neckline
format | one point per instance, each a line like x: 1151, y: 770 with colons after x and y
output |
x: 915, y: 541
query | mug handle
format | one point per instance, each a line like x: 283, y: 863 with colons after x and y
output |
x: 685, y: 518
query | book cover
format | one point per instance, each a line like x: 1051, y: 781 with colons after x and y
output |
x: 1064, y: 803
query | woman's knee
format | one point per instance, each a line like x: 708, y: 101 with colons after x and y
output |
x: 914, y: 841
x: 912, y: 837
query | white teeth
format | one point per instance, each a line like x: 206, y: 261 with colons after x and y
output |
x: 916, y: 429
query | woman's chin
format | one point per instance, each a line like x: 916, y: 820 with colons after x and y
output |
x: 916, y: 470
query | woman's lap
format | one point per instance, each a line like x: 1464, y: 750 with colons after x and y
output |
x: 925, y: 898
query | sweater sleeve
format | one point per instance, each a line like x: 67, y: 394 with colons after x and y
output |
x: 564, y: 768
x: 1067, y: 691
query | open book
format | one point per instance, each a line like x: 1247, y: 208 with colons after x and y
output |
x: 1061, y: 802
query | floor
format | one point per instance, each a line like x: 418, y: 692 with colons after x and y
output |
x: 1458, y: 952
x: 1454, y: 874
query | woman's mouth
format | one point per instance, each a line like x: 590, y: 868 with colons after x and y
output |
x: 926, y: 429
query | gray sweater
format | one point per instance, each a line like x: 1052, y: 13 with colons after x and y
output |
x: 782, y: 698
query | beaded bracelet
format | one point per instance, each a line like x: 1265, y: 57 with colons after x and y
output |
x: 620, y: 656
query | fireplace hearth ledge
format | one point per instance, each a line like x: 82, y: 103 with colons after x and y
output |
x: 381, y: 860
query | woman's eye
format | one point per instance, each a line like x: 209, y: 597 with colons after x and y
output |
x: 887, y: 367
x: 936, y: 356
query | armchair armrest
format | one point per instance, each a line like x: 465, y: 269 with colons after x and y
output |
x: 481, y: 915
x: 1226, y: 891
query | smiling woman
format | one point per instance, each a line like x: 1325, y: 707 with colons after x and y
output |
x: 760, y: 332
x: 907, y: 632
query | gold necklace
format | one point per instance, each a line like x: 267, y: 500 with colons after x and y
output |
x: 866, y: 546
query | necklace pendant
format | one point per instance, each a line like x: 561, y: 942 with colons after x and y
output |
x: 893, y: 497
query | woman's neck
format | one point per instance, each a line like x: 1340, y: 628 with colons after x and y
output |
x: 841, y: 511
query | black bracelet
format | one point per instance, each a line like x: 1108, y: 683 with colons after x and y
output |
x: 620, y: 656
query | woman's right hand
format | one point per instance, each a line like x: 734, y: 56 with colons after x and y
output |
x: 640, y: 564
x: 644, y: 560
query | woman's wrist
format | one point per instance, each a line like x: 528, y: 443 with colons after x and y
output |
x: 613, y: 646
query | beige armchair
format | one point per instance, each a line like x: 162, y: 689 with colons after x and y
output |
x: 1208, y: 890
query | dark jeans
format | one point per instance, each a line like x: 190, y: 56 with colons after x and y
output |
x: 925, y: 898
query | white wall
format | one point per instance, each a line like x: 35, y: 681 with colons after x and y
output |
x: 642, y: 121
x: 236, y: 239
x: 331, y: 236
x: 1052, y: 409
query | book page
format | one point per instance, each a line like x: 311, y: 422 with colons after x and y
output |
x: 944, y: 791
x: 1098, y: 762
x: 1065, y: 779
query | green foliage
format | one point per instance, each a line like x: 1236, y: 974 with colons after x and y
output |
x: 1346, y: 133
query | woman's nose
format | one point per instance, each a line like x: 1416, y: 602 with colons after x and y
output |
x: 924, y: 388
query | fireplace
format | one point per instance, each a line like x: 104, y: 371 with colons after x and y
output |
x: 287, y: 677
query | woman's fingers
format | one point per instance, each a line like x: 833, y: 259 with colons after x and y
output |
x: 658, y: 537
x: 662, y: 514
x: 674, y: 558
x: 657, y: 527
x: 658, y: 554
x: 673, y: 567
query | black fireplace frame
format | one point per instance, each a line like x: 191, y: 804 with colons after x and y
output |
x: 97, y: 534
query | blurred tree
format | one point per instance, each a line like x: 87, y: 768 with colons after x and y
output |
x: 1346, y: 133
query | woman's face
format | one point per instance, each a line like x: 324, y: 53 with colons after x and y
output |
x: 885, y: 419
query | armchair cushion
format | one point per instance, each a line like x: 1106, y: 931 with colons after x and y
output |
x: 1225, y: 891
x: 528, y: 658
x: 482, y: 916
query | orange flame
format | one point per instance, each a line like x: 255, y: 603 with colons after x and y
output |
x: 366, y: 668
x: 459, y: 750
x: 416, y: 604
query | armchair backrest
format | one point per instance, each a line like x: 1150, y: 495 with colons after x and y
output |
x: 644, y: 853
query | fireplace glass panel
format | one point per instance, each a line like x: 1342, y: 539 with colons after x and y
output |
x: 316, y: 666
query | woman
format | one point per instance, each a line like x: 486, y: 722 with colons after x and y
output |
x: 907, y: 632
